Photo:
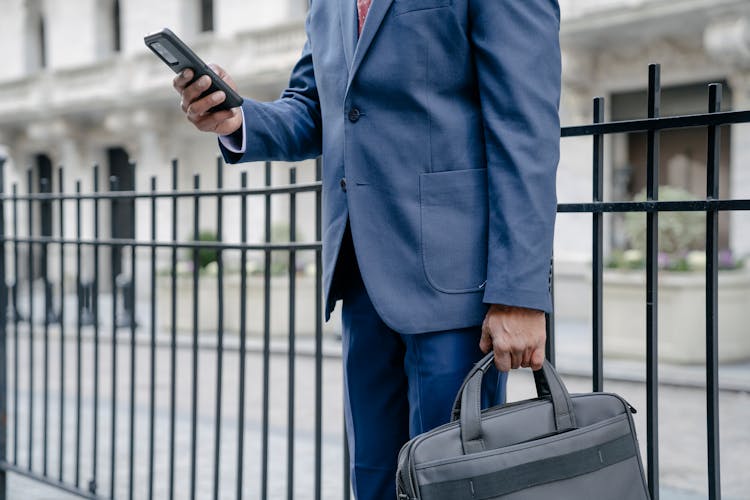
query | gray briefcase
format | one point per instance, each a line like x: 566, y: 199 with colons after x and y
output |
x: 558, y: 446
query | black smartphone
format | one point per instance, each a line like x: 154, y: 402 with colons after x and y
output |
x: 178, y: 56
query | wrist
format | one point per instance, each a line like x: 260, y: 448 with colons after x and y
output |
x: 506, y: 309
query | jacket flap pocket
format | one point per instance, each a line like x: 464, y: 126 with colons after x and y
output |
x: 404, y: 6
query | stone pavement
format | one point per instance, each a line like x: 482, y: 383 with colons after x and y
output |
x: 682, y: 419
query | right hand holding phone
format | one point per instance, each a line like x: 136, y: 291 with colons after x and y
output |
x: 197, y: 108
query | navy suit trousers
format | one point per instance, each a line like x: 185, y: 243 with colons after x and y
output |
x: 396, y: 386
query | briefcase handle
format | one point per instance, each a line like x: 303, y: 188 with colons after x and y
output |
x: 468, y: 405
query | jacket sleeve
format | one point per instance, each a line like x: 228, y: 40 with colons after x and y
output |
x: 288, y: 129
x: 517, y: 58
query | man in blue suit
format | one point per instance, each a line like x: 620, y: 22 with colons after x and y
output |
x: 438, y: 125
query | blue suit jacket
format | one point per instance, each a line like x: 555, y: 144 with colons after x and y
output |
x: 443, y: 118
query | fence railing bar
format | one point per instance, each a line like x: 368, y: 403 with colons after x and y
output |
x: 318, y: 336
x: 656, y: 206
x: 243, y: 341
x: 3, y: 343
x: 597, y: 253
x: 292, y: 270
x: 712, y: 300
x: 16, y: 318
x: 658, y: 123
x: 652, y: 286
x: 173, y: 334
x: 131, y: 292
x: 115, y: 252
x: 61, y: 317
x: 192, y: 245
x: 549, y: 347
x: 194, y: 398
x: 292, y: 338
x: 220, y: 327
x: 44, y: 187
x: 266, y: 338
x: 95, y: 303
x: 30, y: 226
x: 204, y: 193
x: 152, y: 350
x: 79, y: 328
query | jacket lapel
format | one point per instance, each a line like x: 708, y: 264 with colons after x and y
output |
x: 348, y: 18
x: 375, y: 17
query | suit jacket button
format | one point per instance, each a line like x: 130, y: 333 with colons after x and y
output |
x: 342, y: 183
x: 354, y: 115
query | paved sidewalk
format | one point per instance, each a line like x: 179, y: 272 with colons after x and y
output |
x: 682, y: 420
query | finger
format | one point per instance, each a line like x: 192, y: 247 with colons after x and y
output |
x: 211, y: 122
x: 182, y: 79
x: 502, y: 361
x: 516, y: 357
x: 537, y: 359
x: 202, y: 106
x: 526, y: 362
x: 485, y: 342
x: 194, y: 91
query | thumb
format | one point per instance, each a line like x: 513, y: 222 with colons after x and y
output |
x: 218, y: 70
x: 221, y: 72
x: 485, y: 342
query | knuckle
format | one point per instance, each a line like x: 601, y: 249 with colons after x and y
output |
x: 499, y: 347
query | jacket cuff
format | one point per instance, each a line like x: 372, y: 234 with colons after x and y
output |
x: 529, y: 299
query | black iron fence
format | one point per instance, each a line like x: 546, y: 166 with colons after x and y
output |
x: 79, y: 460
x: 156, y: 452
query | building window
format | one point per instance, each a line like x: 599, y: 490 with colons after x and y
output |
x: 42, y: 40
x: 108, y: 28
x: 36, y: 38
x: 44, y: 174
x: 122, y: 216
x: 682, y: 152
x: 116, y: 27
x: 207, y: 15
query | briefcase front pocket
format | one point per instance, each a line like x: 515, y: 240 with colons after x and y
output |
x: 567, y: 466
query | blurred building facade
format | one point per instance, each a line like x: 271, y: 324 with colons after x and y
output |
x: 607, y: 47
x: 78, y: 87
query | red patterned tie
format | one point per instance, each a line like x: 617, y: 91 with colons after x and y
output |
x: 363, y: 6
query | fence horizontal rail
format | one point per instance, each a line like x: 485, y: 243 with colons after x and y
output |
x: 657, y: 124
x: 310, y: 187
x: 197, y: 245
x: 654, y: 206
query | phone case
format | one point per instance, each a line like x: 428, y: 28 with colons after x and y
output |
x: 178, y: 56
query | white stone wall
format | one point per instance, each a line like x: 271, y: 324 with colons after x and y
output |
x: 12, y: 40
x: 72, y: 33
